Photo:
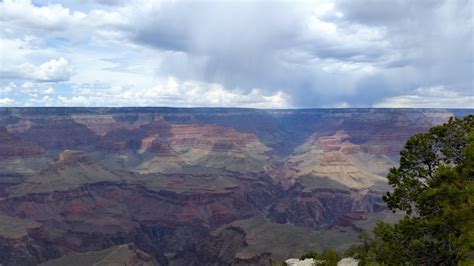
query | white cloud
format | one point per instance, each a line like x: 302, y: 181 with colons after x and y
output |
x: 8, y: 88
x: 54, y: 20
x: 55, y: 70
x: 27, y: 85
x: 50, y: 71
x: 6, y: 102
x: 34, y: 90
x: 15, y: 61
x: 22, y: 14
x: 171, y: 92
x: 193, y: 93
x: 323, y: 53
x: 49, y: 90
x: 430, y: 97
x: 46, y: 100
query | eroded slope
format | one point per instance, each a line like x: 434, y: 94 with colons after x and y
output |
x: 192, y: 186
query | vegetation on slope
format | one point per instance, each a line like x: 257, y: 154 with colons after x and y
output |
x: 434, y: 186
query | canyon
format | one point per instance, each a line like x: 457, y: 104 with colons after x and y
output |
x: 194, y: 186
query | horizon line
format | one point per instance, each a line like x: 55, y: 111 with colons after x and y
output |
x: 224, y: 107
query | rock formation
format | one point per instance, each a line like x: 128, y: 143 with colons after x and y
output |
x: 326, y: 157
x: 148, y: 186
x: 127, y: 255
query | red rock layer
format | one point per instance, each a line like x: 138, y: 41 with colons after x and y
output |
x: 210, y: 137
x: 11, y: 145
x: 337, y: 142
x: 156, y: 144
x: 59, y: 134
x: 323, y: 207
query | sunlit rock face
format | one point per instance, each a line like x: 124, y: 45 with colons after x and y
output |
x: 330, y: 157
x: 193, y: 186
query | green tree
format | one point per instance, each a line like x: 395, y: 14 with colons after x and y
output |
x: 434, y: 185
x: 329, y: 257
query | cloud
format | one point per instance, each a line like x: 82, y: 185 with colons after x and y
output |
x: 53, y: 70
x: 431, y: 97
x: 430, y: 36
x: 282, y: 45
x: 49, y: 90
x: 23, y: 14
x: 110, y: 2
x: 27, y: 58
x: 172, y: 92
x: 192, y: 93
x: 6, y: 102
x: 320, y: 53
x: 8, y: 88
x: 35, y: 90
x: 384, y: 12
x: 324, y: 53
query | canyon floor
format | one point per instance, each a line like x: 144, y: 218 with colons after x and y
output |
x: 198, y: 186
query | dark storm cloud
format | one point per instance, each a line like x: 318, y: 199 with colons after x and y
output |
x: 259, y: 44
x: 318, y: 53
x: 385, y: 12
x: 434, y: 37
x: 231, y: 43
x: 269, y: 45
x: 110, y: 2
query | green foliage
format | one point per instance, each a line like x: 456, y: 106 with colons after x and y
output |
x: 420, y: 161
x: 311, y: 255
x: 434, y: 185
x: 329, y: 257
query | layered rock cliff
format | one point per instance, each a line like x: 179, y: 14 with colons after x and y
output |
x: 191, y: 186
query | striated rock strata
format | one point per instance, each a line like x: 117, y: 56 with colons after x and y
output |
x: 204, y: 186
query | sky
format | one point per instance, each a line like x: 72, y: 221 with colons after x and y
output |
x: 257, y: 54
